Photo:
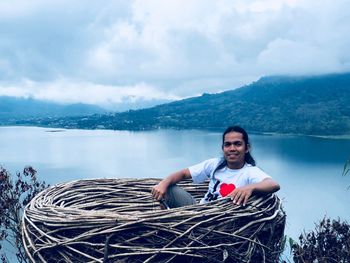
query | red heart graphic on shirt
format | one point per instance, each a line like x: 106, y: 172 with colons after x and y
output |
x: 225, y: 189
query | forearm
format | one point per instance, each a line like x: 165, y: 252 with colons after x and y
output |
x: 266, y: 186
x: 176, y: 177
x: 160, y: 189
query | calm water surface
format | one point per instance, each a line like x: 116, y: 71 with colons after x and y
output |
x: 308, y: 169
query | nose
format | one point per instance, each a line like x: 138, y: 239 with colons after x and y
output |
x: 232, y: 147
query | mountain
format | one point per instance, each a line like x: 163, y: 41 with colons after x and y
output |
x: 132, y: 103
x: 20, y: 108
x: 313, y: 105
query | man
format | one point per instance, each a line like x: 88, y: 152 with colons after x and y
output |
x: 234, y: 175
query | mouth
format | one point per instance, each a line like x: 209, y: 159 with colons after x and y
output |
x: 232, y: 155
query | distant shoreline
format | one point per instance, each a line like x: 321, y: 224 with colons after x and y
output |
x: 337, y: 137
x: 60, y: 129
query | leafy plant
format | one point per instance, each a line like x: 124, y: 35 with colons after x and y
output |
x: 346, y: 168
x: 15, y: 193
x: 329, y: 242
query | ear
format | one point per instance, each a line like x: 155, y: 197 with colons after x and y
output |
x: 248, y: 148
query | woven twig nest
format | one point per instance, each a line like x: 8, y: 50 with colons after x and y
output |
x: 116, y: 220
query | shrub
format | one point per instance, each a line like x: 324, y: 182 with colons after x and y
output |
x: 15, y: 193
x: 346, y: 167
x: 329, y: 242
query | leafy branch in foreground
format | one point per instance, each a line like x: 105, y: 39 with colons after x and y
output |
x: 15, y: 193
x: 329, y: 242
x: 346, y: 168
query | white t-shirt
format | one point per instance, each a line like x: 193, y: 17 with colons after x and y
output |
x: 224, y: 180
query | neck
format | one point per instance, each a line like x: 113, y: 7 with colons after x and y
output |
x: 235, y: 166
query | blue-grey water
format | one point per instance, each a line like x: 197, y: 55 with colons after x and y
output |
x: 309, y: 169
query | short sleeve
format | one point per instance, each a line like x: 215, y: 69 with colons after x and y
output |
x: 256, y: 175
x: 202, y: 171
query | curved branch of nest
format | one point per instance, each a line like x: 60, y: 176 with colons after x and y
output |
x: 116, y: 220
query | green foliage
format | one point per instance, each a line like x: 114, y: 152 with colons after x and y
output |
x: 346, y: 167
x: 15, y: 193
x: 329, y: 242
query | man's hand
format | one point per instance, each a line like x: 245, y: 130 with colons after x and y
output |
x: 159, y: 190
x: 241, y: 195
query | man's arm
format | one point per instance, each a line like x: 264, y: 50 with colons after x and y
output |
x: 160, y: 189
x: 241, y: 195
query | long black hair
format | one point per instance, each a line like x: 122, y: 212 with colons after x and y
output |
x: 248, y: 158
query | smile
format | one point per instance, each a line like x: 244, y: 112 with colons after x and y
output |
x: 232, y: 155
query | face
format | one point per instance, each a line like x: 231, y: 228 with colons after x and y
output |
x: 234, y: 149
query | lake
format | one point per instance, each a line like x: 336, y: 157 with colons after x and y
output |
x: 308, y: 168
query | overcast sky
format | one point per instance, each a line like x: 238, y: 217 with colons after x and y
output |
x: 104, y: 52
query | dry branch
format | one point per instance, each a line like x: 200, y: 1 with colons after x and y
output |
x: 116, y: 220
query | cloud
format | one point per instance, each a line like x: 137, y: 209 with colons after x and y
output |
x: 71, y: 91
x: 200, y: 39
x: 179, y: 48
x: 284, y: 56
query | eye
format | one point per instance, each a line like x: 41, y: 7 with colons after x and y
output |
x: 235, y: 143
x: 227, y: 144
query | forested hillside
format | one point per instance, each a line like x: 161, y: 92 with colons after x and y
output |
x: 318, y: 105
